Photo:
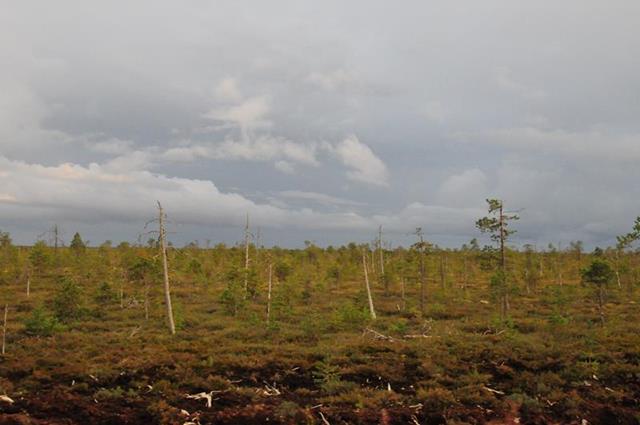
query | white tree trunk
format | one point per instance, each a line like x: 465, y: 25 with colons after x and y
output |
x: 146, y: 300
x: 167, y: 292
x: 404, y: 300
x: 366, y: 281
x: 465, y: 271
x: 381, y: 250
x: 269, y: 294
x: 373, y: 263
x: 246, y: 257
x: 4, y: 328
x: 122, y: 292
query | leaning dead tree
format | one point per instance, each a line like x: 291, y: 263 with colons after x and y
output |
x: 163, y: 252
x: 366, y: 282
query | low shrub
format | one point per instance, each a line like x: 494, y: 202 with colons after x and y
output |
x: 67, y: 304
x: 41, y: 323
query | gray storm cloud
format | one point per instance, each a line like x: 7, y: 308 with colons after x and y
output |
x: 320, y: 117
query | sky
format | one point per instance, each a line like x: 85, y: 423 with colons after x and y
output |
x: 320, y: 120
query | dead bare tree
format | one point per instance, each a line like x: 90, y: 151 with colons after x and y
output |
x: 366, y: 281
x: 559, y: 264
x: 247, y: 236
x: 53, y: 239
x: 146, y: 299
x: 465, y: 270
x: 28, y: 284
x: 381, y: 251
x: 258, y: 242
x: 404, y: 300
x: 121, y: 289
x: 443, y: 269
x: 56, y: 239
x: 269, y: 293
x: 4, y: 329
x: 372, y: 266
x: 383, y: 279
x: 165, y: 267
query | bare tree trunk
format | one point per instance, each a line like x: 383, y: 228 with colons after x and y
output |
x: 446, y: 268
x: 4, y: 329
x: 167, y: 293
x: 443, y: 270
x: 383, y: 278
x: 123, y: 276
x: 601, y: 304
x: 465, y: 271
x: 246, y: 257
x: 258, y: 237
x: 560, y: 277
x: 373, y: 263
x: 559, y: 264
x: 366, y: 281
x: 381, y: 251
x: 269, y: 294
x: 146, y: 300
x: 55, y: 243
x: 423, y: 282
x: 28, y: 285
x: 503, y: 265
x: 632, y: 280
x: 618, y: 268
x: 404, y: 300
x: 540, y: 266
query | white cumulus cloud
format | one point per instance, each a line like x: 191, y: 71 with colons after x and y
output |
x: 227, y: 90
x: 250, y: 113
x: 364, y: 166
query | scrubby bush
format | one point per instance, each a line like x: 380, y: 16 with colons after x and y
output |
x: 436, y: 399
x: 78, y: 246
x: 105, y: 294
x: 109, y: 394
x: 67, y: 304
x: 282, y: 270
x: 399, y: 327
x: 233, y: 296
x: 600, y: 274
x: 333, y: 275
x: 41, y: 323
x: 288, y: 411
x: 194, y: 266
x: 349, y: 316
x: 39, y: 256
x: 328, y: 378
x: 178, y: 316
